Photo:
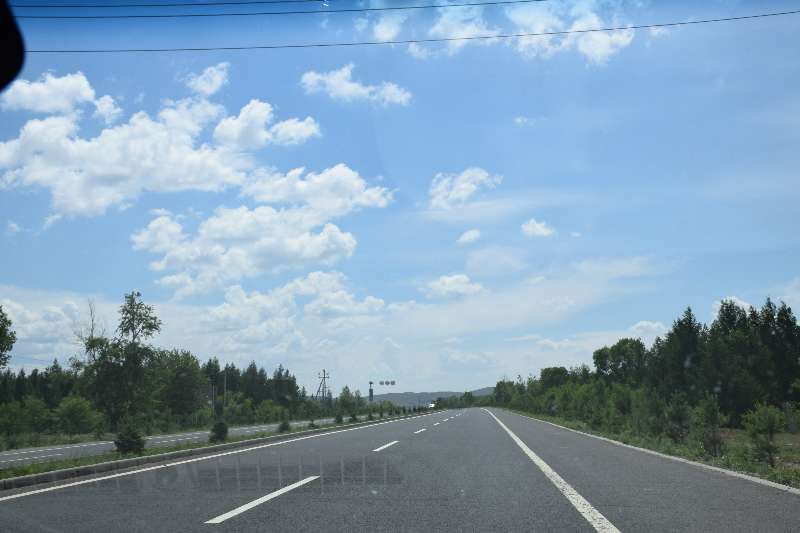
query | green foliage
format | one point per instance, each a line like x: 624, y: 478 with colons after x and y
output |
x: 353, y: 418
x: 137, y: 320
x: 7, y: 338
x: 129, y: 438
x: 762, y: 424
x: 181, y: 387
x: 37, y: 415
x: 284, y: 426
x: 219, y: 432
x: 677, y: 415
x: 338, y: 419
x: 12, y: 422
x: 75, y: 415
x: 706, y: 421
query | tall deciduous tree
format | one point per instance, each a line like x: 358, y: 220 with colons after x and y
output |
x: 137, y: 320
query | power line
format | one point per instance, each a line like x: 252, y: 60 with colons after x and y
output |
x: 417, y: 41
x: 274, y: 13
x: 181, y: 4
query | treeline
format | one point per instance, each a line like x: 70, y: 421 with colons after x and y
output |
x: 122, y: 381
x: 741, y: 371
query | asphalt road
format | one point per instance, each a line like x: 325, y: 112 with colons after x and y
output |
x: 471, y: 470
x: 58, y: 452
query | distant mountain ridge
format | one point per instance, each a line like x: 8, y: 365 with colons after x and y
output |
x: 410, y: 399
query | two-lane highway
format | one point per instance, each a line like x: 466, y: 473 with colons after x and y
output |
x: 58, y: 452
x: 470, y: 470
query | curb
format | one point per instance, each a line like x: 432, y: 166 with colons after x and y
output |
x: 122, y: 464
x: 733, y: 473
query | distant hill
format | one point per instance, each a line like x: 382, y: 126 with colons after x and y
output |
x: 410, y: 399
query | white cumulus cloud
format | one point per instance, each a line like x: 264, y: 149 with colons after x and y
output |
x: 250, y: 129
x: 388, y: 27
x: 335, y: 191
x: 451, y: 190
x: 107, y: 109
x: 339, y: 85
x: 534, y: 228
x: 210, y: 80
x: 237, y: 243
x: 458, y: 22
x: 164, y: 152
x: 544, y: 17
x: 49, y: 94
x: 452, y: 285
x: 469, y: 236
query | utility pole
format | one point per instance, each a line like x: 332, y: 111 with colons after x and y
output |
x: 322, y: 391
x: 370, y: 392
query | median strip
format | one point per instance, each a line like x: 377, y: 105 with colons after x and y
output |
x: 246, y: 507
x: 126, y: 463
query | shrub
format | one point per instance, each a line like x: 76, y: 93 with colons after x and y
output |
x: 792, y: 412
x: 12, y: 422
x: 706, y: 420
x: 129, y: 439
x: 219, y: 432
x: 75, y: 415
x: 353, y: 417
x: 37, y: 414
x: 762, y: 423
x: 284, y: 426
x: 369, y: 415
x: 677, y: 416
x: 338, y: 419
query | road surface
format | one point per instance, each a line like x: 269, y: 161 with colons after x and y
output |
x: 57, y: 452
x: 469, y: 470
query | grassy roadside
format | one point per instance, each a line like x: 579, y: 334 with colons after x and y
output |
x: 49, y: 466
x: 737, y: 454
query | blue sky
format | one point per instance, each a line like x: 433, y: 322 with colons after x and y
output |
x: 466, y: 211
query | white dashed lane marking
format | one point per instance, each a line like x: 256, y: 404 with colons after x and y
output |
x: 380, y: 448
x: 246, y: 507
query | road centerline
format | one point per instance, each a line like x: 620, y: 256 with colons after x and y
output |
x: 592, y: 515
x: 381, y: 448
x: 246, y: 507
x: 420, y: 430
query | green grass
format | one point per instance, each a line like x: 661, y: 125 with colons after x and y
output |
x: 737, y: 454
x: 49, y: 466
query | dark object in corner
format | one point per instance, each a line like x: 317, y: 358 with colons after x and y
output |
x: 12, y: 49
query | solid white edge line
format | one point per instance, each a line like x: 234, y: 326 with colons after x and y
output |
x: 592, y: 515
x: 246, y: 507
x: 380, y: 448
x: 201, y: 458
x: 733, y: 473
x: 436, y: 423
x: 419, y: 431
